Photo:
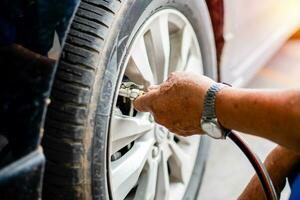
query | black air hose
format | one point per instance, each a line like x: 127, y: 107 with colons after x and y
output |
x: 259, y: 167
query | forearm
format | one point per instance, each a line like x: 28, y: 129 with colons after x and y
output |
x: 270, y: 114
x: 280, y: 163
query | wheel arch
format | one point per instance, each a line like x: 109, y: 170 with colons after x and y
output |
x: 216, y: 12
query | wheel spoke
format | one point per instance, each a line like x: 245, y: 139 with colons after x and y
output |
x: 163, y: 182
x: 147, y: 181
x: 126, y: 170
x: 167, y: 150
x: 194, y: 65
x: 179, y: 162
x: 181, y: 44
x: 175, y: 54
x: 186, y: 43
x: 158, y: 47
x: 188, y: 141
x: 126, y: 129
x: 138, y: 68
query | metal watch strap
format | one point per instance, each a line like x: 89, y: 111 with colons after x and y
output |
x: 210, y: 100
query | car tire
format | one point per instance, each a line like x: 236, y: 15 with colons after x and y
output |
x: 78, y: 118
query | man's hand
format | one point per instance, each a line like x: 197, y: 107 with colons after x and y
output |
x: 177, y: 103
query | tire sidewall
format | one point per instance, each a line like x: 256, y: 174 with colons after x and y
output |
x: 130, y: 18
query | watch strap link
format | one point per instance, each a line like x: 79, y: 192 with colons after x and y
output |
x: 210, y: 100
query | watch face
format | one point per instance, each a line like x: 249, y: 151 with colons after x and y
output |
x: 212, y: 130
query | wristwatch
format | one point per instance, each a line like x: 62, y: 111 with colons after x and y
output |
x: 209, y: 122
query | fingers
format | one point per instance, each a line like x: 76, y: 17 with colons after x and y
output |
x: 144, y: 102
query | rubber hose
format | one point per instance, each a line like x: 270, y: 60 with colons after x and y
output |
x: 259, y: 167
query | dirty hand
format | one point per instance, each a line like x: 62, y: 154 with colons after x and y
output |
x: 177, y: 103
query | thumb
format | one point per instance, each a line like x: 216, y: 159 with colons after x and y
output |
x: 144, y: 103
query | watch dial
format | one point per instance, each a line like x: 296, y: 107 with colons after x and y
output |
x: 212, y: 130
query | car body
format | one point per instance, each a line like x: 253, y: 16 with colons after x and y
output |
x: 246, y: 35
x: 253, y: 32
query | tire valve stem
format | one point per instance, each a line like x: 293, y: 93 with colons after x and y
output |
x: 131, y: 90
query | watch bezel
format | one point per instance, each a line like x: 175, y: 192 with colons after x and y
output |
x: 213, y: 123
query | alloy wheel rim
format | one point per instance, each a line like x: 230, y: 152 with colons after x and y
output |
x: 146, y: 160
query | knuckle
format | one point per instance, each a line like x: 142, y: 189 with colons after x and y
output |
x: 161, y: 120
x: 158, y: 119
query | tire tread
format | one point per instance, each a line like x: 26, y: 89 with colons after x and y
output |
x: 64, y: 139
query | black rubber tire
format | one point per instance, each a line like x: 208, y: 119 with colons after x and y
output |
x: 77, y: 122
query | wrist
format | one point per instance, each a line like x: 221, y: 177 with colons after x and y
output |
x: 209, y: 120
x: 222, y: 97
